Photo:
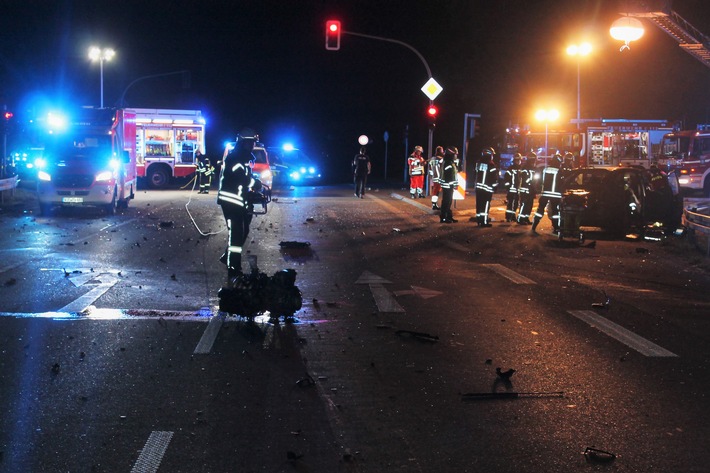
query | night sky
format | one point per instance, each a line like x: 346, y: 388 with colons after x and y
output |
x: 263, y: 64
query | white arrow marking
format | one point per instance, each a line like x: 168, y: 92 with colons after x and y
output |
x: 384, y: 300
x: 422, y: 292
x: 368, y: 278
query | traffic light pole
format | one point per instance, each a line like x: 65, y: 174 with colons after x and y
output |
x: 428, y: 72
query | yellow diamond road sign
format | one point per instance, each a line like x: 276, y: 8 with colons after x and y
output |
x: 432, y: 88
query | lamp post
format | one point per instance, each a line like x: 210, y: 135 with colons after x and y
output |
x: 578, y: 50
x: 547, y: 116
x: 101, y: 55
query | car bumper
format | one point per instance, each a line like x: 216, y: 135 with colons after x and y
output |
x: 98, y: 194
x: 691, y: 181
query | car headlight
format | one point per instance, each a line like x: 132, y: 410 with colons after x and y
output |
x: 295, y: 175
x: 265, y: 174
x: 104, y: 176
x: 44, y: 176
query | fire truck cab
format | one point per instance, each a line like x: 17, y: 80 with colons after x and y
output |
x: 166, y: 143
x: 688, y: 153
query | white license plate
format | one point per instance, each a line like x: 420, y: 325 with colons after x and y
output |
x: 72, y: 200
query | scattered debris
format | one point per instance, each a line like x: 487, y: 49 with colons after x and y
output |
x: 425, y: 337
x: 508, y: 395
x: 642, y: 250
x: 173, y: 277
x: 293, y: 456
x: 310, y: 219
x: 594, y: 455
x: 602, y: 305
x: 10, y: 282
x: 592, y: 244
x: 55, y: 368
x: 295, y: 244
x: 306, y: 381
x: 256, y: 293
x: 166, y: 224
x: 505, y: 375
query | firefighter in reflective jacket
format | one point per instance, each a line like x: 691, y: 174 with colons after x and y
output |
x: 435, y: 163
x: 449, y: 182
x: 511, y: 181
x: 486, y: 183
x: 550, y: 194
x: 235, y: 183
x: 526, y: 189
x: 204, y: 172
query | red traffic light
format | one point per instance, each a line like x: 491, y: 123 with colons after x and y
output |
x: 8, y: 115
x: 432, y: 111
x: 332, y: 35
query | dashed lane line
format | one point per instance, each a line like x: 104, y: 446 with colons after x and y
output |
x: 627, y: 337
x: 509, y: 273
x: 152, y: 454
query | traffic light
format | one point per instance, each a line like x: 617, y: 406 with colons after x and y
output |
x: 432, y: 112
x: 332, y: 35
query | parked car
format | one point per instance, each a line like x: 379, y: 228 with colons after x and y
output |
x: 623, y: 199
x: 293, y: 166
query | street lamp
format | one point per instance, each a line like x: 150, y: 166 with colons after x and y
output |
x: 547, y: 116
x: 101, y: 55
x: 578, y: 50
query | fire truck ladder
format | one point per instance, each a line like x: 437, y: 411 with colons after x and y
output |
x: 693, y: 41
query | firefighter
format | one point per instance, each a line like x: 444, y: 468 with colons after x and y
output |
x: 449, y: 181
x: 550, y: 194
x: 416, y: 164
x: 526, y: 189
x: 566, y: 168
x: 235, y: 183
x: 511, y: 182
x: 361, y: 168
x: 205, y: 170
x: 435, y: 164
x: 486, y: 183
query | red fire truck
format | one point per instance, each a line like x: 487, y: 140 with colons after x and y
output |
x: 89, y: 159
x: 166, y: 143
x: 688, y: 153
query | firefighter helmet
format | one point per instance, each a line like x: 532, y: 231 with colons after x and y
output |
x: 517, y: 156
x: 489, y: 151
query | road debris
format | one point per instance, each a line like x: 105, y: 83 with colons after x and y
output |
x: 594, y: 455
x: 508, y: 395
x: 295, y: 244
x: 505, y: 375
x: 602, y: 305
x: 425, y: 337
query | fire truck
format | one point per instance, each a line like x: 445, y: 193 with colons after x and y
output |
x: 688, y: 153
x: 89, y: 159
x: 166, y: 143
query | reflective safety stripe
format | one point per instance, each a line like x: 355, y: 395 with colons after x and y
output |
x: 228, y: 198
x: 234, y: 249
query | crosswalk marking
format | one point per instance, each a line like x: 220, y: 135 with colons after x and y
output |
x: 509, y: 273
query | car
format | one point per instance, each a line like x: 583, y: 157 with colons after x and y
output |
x: 624, y: 199
x: 293, y: 166
x: 260, y: 166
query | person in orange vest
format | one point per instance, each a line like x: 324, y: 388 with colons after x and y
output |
x: 416, y: 163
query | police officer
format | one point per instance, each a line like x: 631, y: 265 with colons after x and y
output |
x: 511, y: 180
x: 435, y: 163
x: 550, y: 194
x: 449, y: 181
x: 486, y: 183
x: 204, y: 172
x: 361, y: 168
x: 235, y: 182
x: 526, y: 189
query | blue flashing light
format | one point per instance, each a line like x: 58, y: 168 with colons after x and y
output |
x: 288, y: 147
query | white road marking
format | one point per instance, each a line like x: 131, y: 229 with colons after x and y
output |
x: 509, y: 273
x: 627, y: 337
x: 204, y: 346
x: 384, y: 299
x: 153, y: 452
x: 78, y: 305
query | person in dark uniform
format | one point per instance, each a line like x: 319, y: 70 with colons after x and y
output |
x: 204, y: 172
x: 526, y: 189
x: 511, y: 182
x: 550, y: 194
x: 486, y: 183
x: 361, y: 168
x: 449, y: 181
x: 235, y: 182
x: 434, y: 166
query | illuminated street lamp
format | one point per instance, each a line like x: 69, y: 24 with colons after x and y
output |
x: 579, y: 50
x: 626, y: 29
x: 101, y: 55
x: 547, y: 116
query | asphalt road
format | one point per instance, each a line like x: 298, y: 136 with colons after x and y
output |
x: 115, y: 358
